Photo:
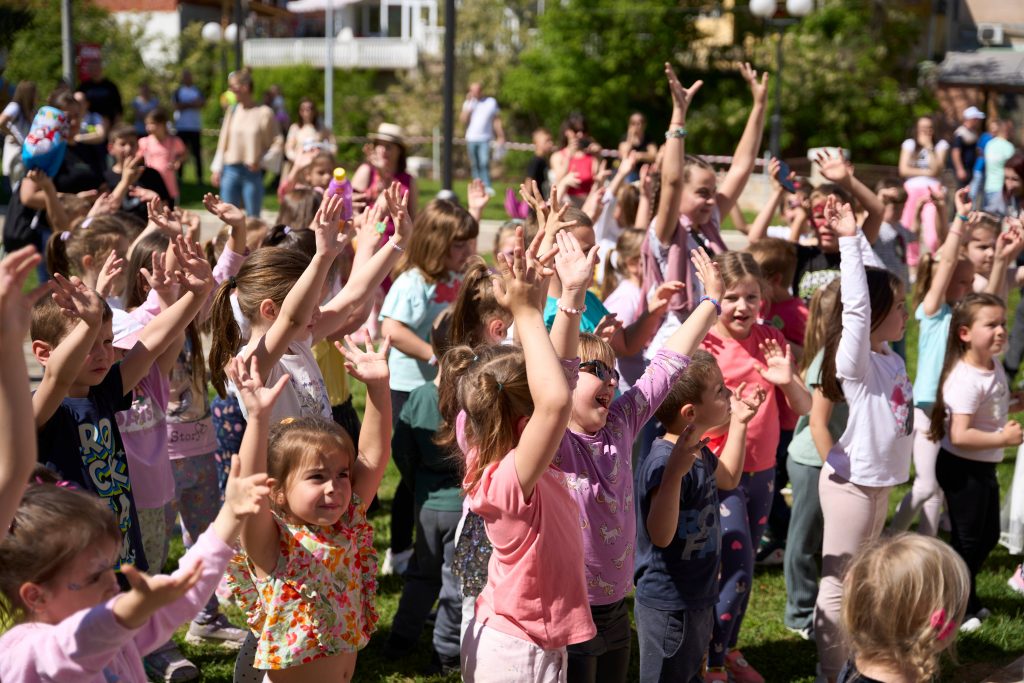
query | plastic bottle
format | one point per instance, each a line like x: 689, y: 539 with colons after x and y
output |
x: 340, y: 185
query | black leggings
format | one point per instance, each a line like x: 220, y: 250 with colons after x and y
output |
x: 605, y: 657
x: 972, y: 499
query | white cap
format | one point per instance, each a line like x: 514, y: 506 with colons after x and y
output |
x: 973, y: 113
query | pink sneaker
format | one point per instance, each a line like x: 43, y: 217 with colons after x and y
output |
x: 740, y: 669
x: 1016, y: 582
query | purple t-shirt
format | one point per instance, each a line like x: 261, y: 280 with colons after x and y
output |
x: 599, y: 475
x: 144, y: 434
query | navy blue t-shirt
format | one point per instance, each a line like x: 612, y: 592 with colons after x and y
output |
x: 82, y: 444
x: 683, y: 575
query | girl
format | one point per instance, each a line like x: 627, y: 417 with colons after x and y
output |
x: 994, y: 253
x: 306, y: 578
x: 941, y: 282
x: 796, y: 208
x: 574, y: 165
x: 15, y: 120
x: 750, y: 352
x: 163, y: 151
x: 441, y: 242
x: 970, y: 419
x: 624, y: 298
x: 873, y: 454
x: 58, y: 581
x: 95, y: 252
x: 516, y: 406
x: 921, y: 162
x: 922, y: 580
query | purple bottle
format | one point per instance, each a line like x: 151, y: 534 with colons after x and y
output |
x: 340, y: 185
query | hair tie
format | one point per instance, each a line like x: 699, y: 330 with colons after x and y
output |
x: 232, y: 283
x: 86, y: 223
x: 287, y: 229
x: 475, y: 358
x: 65, y: 236
x: 939, y: 623
x: 286, y: 421
x: 500, y: 386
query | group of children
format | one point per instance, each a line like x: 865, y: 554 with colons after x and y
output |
x: 561, y: 452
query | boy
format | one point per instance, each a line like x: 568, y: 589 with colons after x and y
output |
x: 679, y: 534
x: 537, y: 169
x: 893, y: 236
x: 123, y: 146
x: 163, y: 151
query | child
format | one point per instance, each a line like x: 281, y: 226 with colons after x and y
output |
x: 942, y: 281
x: 796, y: 209
x: 431, y: 273
x: 679, y: 538
x: 538, y: 169
x: 994, y: 254
x: 123, y: 148
x: 163, y: 151
x: 873, y: 454
x: 517, y: 405
x: 893, y: 236
x: 307, y: 576
x: 613, y: 209
x: 95, y: 252
x: 58, y: 579
x: 752, y: 353
x: 970, y: 419
x: 922, y: 580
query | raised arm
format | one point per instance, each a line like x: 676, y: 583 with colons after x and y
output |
x: 688, y: 337
x: 666, y: 220
x: 575, y: 271
x: 663, y: 516
x: 854, y: 352
x: 759, y: 227
x: 949, y: 254
x: 836, y: 169
x: 746, y: 151
x: 230, y: 215
x: 730, y: 463
x: 1008, y: 247
x: 371, y: 368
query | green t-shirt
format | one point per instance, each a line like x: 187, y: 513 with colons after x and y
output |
x: 801, y: 448
x: 419, y: 459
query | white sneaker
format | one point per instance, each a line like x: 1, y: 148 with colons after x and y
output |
x: 395, y: 563
x: 970, y: 625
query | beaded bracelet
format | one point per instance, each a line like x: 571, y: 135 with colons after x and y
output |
x: 675, y: 133
x: 569, y: 310
x: 718, y: 306
x: 962, y: 217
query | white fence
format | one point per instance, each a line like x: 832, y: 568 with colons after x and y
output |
x: 357, y: 53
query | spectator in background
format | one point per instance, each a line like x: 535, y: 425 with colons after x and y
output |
x: 103, y: 95
x: 575, y: 164
x: 307, y: 133
x: 922, y: 159
x: 637, y: 141
x: 91, y: 135
x: 482, y: 119
x: 964, y: 151
x: 998, y: 151
x: 163, y: 151
x: 188, y: 102
x: 537, y: 169
x: 14, y: 126
x: 145, y: 102
x: 385, y: 164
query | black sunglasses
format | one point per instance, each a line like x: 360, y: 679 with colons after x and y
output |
x: 600, y: 369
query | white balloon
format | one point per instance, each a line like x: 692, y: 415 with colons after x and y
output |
x: 763, y: 8
x: 231, y: 33
x: 799, y: 8
x: 211, y: 32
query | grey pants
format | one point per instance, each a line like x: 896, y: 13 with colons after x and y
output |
x: 803, y: 545
x: 429, y: 579
x: 672, y: 644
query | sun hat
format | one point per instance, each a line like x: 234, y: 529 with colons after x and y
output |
x: 973, y: 113
x: 389, y: 132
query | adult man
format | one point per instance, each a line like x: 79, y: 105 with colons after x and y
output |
x: 965, y: 144
x: 103, y: 95
x: 483, y: 123
x: 188, y: 102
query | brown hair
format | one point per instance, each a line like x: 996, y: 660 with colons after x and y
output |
x: 627, y: 248
x: 475, y: 305
x: 52, y: 526
x: 66, y: 250
x: 157, y: 116
x: 820, y: 313
x: 51, y: 323
x: 298, y: 208
x: 628, y: 201
x: 691, y: 162
x: 689, y: 388
x: 269, y: 273
x: 823, y: 190
x: 440, y: 224
x: 122, y: 131
x: 737, y: 265
x: 963, y: 316
x: 917, y: 578
x: 507, y: 228
x: 293, y: 440
x: 775, y: 257
x: 926, y: 273
x: 489, y: 384
x: 883, y: 288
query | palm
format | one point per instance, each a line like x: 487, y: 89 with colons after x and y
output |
x: 835, y: 170
x: 778, y: 371
x: 366, y: 366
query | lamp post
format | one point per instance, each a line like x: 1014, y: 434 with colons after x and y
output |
x: 767, y: 10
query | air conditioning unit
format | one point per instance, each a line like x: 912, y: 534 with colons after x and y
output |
x: 990, y: 34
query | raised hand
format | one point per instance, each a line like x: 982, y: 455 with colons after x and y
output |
x: 840, y: 217
x: 398, y: 207
x: 160, y: 279
x: 647, y: 181
x: 15, y: 304
x: 368, y: 226
x: 1010, y: 243
x: 627, y: 163
x: 149, y: 593
x: 477, y: 197
x: 745, y: 408
x: 225, y: 211
x: 574, y: 267
x: 681, y: 97
x: 195, y: 274
x: 103, y: 205
x: 143, y: 194
x: 78, y: 300
x: 962, y: 201
x: 245, y: 496
x: 369, y: 366
x: 39, y: 177
x: 660, y: 298
x: 258, y: 399
x: 778, y: 367
x: 708, y: 273
x: 112, y: 269
x: 530, y: 192
x: 326, y: 225
x: 834, y: 167
x: 520, y: 278
x: 758, y: 88
x: 607, y: 327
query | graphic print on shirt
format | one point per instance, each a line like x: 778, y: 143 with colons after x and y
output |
x: 106, y: 471
x: 609, y: 535
x: 813, y: 280
x: 598, y: 582
x: 702, y: 532
x: 446, y: 292
x: 901, y: 400
x: 621, y: 559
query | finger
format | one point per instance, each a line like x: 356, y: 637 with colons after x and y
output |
x: 236, y: 467
x: 385, y: 346
x: 254, y: 370
x: 276, y: 390
x: 738, y: 392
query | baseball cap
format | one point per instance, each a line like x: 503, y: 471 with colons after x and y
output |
x: 973, y: 113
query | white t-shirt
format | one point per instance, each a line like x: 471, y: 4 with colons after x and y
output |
x: 481, y: 120
x: 673, y: 319
x: 187, y: 119
x: 627, y: 303
x: 922, y: 160
x: 305, y: 395
x: 982, y: 394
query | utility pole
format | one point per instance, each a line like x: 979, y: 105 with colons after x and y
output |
x: 449, y: 94
x: 67, y: 44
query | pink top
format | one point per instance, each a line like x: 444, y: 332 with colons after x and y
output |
x: 599, y: 476
x: 161, y: 156
x: 143, y: 430
x: 91, y: 646
x: 790, y: 318
x: 583, y: 167
x: 739, y: 360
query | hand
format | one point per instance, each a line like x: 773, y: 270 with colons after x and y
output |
x: 195, y: 274
x: 150, y: 593
x: 112, y: 268
x: 778, y: 368
x: 683, y: 455
x: 190, y: 223
x: 938, y: 198
x: 1012, y: 435
x: 708, y: 273
x: 16, y: 306
x: 758, y: 88
x: 359, y: 202
x: 245, y: 496
x: 647, y: 182
x: 530, y: 192
x: 608, y: 326
x: 553, y: 223
x: 131, y: 169
x: 258, y: 399
x: 365, y: 225
x: 569, y: 180
x: 962, y: 201
x: 225, y: 211
x: 143, y: 194
x: 840, y: 218
x: 522, y: 278
x: 40, y: 178
x: 627, y: 163
x: 78, y: 300
x: 160, y: 279
x: 369, y: 366
x: 398, y: 207
x: 1010, y: 243
x: 477, y: 196
x: 834, y: 167
x: 658, y: 301
x: 744, y: 409
x: 681, y: 97
x: 326, y: 225
x: 103, y: 205
x: 575, y: 269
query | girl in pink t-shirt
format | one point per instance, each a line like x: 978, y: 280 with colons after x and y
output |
x: 162, y: 151
x: 516, y: 404
x: 752, y: 353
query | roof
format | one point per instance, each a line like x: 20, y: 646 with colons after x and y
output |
x: 998, y: 69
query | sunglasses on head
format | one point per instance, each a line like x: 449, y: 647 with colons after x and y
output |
x: 600, y: 369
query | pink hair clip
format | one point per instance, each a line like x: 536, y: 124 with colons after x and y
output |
x: 940, y: 624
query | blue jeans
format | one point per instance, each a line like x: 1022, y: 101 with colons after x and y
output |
x: 672, y: 644
x: 995, y: 203
x: 480, y: 160
x: 239, y: 185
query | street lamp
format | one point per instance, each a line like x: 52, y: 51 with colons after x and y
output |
x: 767, y: 9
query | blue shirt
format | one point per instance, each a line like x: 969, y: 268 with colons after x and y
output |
x: 590, y: 318
x: 979, y: 162
x: 931, y: 353
x: 683, y: 575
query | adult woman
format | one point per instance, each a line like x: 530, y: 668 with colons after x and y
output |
x: 145, y: 102
x: 385, y: 163
x: 921, y: 162
x: 575, y: 164
x: 307, y: 133
x: 250, y: 141
x: 14, y: 124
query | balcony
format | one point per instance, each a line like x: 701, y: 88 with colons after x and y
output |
x: 354, y: 53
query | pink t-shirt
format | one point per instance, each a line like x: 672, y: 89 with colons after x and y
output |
x: 599, y: 476
x: 536, y: 589
x: 143, y: 430
x: 790, y: 318
x: 161, y: 157
x: 982, y: 394
x: 739, y: 360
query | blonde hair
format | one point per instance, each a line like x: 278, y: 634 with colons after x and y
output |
x: 437, y: 227
x: 95, y: 237
x: 475, y: 305
x: 294, y: 441
x: 820, y: 312
x: 737, y: 265
x: 592, y: 347
x: 923, y: 583
x: 775, y: 257
x: 627, y: 248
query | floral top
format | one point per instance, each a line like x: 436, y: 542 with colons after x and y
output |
x: 472, y: 553
x: 319, y: 601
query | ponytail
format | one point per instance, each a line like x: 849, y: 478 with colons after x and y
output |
x: 474, y: 306
x: 225, y: 336
x: 94, y: 236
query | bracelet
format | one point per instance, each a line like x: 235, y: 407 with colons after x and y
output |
x: 718, y: 306
x: 962, y: 217
x: 675, y: 133
x: 958, y: 233
x: 433, y: 360
x: 395, y: 245
x: 569, y: 310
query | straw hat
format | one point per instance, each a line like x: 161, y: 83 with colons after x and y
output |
x: 389, y: 132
